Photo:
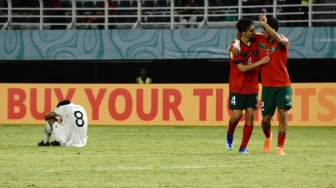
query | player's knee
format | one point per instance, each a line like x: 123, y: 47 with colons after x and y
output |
x: 52, y: 121
x: 283, y: 112
x: 235, y: 118
x: 249, y: 116
x: 267, y: 118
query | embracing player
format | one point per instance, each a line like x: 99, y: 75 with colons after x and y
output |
x: 276, y: 90
x: 243, y: 83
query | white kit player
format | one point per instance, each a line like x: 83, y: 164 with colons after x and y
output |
x: 67, y: 124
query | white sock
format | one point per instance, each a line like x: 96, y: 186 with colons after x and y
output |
x: 47, y: 133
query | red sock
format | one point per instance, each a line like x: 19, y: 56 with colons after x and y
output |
x: 232, y: 128
x: 247, y: 131
x: 267, y: 133
x: 281, y: 139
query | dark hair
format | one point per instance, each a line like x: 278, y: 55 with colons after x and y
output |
x: 64, y: 102
x: 273, y: 23
x: 244, y: 24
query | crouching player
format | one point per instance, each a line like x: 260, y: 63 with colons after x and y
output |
x: 67, y: 124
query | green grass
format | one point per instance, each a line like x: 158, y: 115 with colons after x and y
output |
x: 166, y: 156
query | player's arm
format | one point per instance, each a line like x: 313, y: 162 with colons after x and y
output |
x: 50, y: 115
x: 235, y: 50
x: 246, y: 68
x: 275, y: 35
x: 235, y: 47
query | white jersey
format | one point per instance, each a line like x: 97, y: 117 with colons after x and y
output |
x: 75, y: 123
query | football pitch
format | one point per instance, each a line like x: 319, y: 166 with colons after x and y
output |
x: 167, y: 156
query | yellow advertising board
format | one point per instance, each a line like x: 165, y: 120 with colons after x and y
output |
x: 157, y: 104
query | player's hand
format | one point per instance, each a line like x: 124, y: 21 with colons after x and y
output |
x: 263, y: 19
x: 265, y: 60
x: 59, y: 118
x: 235, y: 51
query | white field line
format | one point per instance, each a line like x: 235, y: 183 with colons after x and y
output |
x: 130, y: 168
x: 168, y: 167
x: 197, y: 167
x: 180, y: 167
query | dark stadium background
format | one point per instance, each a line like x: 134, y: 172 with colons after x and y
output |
x: 161, y: 71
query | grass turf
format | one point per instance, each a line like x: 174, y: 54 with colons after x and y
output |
x: 166, y: 156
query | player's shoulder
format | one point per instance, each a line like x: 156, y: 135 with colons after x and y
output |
x: 80, y: 107
x: 76, y: 105
x: 73, y: 105
x: 283, y: 37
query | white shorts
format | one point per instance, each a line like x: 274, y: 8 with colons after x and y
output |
x: 59, y: 133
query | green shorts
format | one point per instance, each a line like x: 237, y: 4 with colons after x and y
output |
x: 242, y: 101
x: 273, y: 97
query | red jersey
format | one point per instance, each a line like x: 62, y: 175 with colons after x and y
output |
x: 274, y: 73
x: 244, y: 83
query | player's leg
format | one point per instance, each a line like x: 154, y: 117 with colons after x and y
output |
x: 282, y: 131
x: 58, y: 133
x: 234, y: 120
x: 251, y: 102
x: 47, y: 134
x: 247, y: 130
x: 236, y: 105
x: 266, y: 125
x: 268, y: 106
x: 284, y: 103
